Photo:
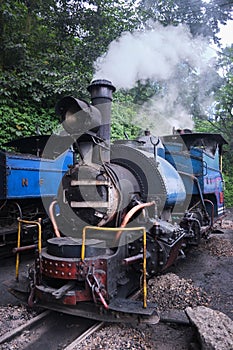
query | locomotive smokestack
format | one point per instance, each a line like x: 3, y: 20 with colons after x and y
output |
x: 101, y: 96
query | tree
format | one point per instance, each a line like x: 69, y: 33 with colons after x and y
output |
x: 223, y: 113
x: 47, y: 50
x: 195, y: 91
x: 202, y: 17
x: 221, y: 120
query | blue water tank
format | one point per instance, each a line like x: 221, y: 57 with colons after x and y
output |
x: 173, y: 183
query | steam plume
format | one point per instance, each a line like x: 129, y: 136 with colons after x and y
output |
x: 151, y: 54
x: 155, y: 55
x: 162, y: 113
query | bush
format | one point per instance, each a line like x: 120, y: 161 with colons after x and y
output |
x: 228, y: 193
x: 17, y: 122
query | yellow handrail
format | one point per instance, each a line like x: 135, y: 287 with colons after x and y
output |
x: 115, y: 229
x: 20, y: 221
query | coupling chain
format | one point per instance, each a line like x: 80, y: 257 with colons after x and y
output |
x: 94, y: 285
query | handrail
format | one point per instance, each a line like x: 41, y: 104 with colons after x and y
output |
x: 115, y: 229
x: 20, y: 221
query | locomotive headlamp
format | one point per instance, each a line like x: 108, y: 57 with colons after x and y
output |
x: 77, y: 115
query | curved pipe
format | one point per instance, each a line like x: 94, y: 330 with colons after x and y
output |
x: 52, y: 218
x: 130, y: 213
x: 19, y: 209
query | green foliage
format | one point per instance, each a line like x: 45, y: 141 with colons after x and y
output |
x: 215, y: 127
x: 224, y: 117
x: 224, y: 96
x: 123, y: 115
x: 19, y: 122
x: 228, y: 193
x: 202, y: 17
x: 126, y: 106
x: 47, y: 50
x: 201, y: 125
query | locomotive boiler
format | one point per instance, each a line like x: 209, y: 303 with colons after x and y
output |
x: 123, y: 213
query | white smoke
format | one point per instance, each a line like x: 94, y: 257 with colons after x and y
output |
x: 155, y: 55
x: 152, y: 54
x: 162, y: 113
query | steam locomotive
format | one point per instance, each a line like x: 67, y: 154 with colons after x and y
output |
x: 124, y: 212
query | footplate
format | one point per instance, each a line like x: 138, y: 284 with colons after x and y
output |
x: 132, y: 307
x: 96, y: 312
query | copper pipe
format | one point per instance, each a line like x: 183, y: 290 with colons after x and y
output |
x: 24, y: 248
x: 132, y: 211
x: 52, y: 218
x: 129, y: 215
x: 132, y: 259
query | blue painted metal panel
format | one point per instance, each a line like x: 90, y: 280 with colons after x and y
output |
x: 31, y: 177
x: 189, y: 164
x: 205, y: 167
x: 196, y: 163
x: 213, y: 181
x: 174, y: 185
x: 203, y: 150
x: 212, y: 162
x: 2, y: 175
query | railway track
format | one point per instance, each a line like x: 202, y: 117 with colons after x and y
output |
x: 49, y: 330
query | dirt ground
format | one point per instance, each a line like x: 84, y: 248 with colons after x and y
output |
x: 7, y: 272
x: 210, y: 266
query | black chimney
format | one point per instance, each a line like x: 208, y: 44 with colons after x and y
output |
x: 101, y: 96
